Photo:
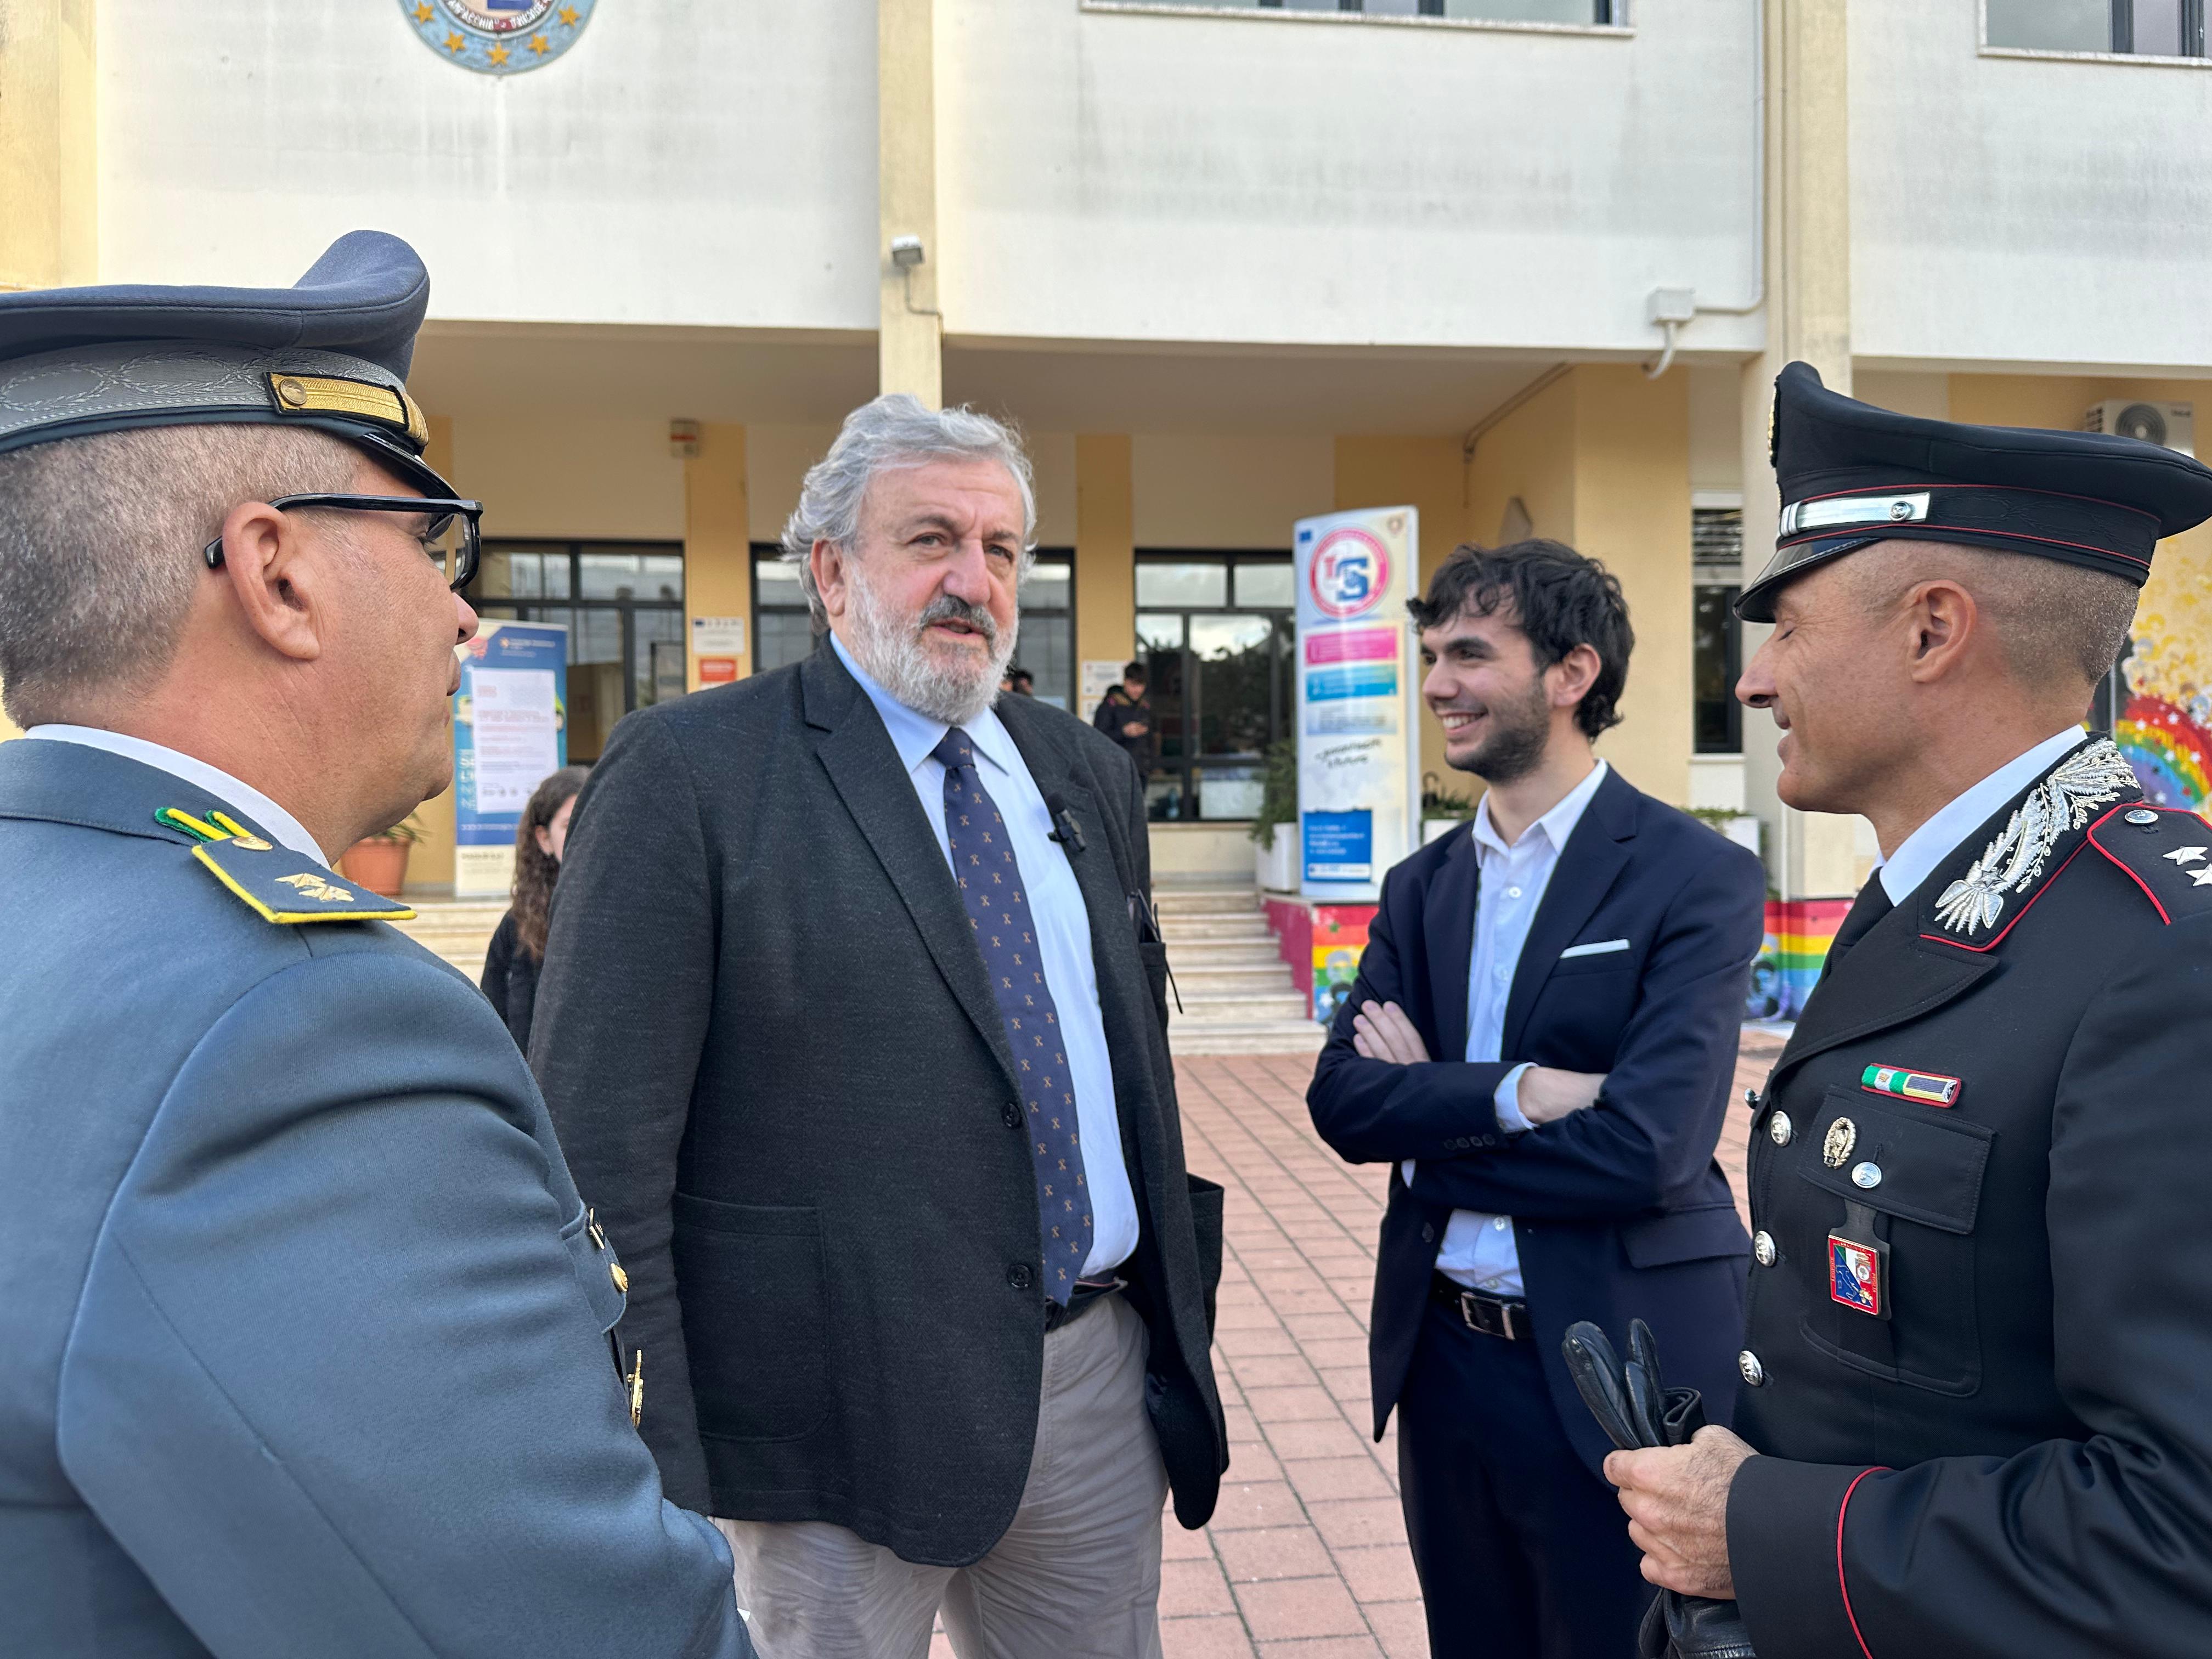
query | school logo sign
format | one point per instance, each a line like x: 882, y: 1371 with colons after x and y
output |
x: 1349, y: 571
x: 498, y: 37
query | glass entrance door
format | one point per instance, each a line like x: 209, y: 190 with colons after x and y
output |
x: 1216, y: 636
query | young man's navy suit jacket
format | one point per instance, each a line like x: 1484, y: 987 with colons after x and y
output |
x: 1619, y: 1210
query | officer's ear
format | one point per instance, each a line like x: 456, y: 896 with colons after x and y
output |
x: 1945, y: 627
x: 830, y: 566
x: 278, y: 575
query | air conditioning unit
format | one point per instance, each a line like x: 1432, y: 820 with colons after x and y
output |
x: 2170, y: 425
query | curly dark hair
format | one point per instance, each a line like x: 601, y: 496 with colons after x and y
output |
x: 535, y: 869
x: 1559, y: 598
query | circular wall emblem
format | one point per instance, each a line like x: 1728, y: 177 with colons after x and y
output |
x: 1350, y: 570
x: 498, y: 37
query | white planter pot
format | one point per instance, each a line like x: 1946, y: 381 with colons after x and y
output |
x: 1275, y: 866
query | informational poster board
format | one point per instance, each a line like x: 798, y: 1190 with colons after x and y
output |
x: 1358, y: 788
x: 717, y: 646
x: 510, y: 732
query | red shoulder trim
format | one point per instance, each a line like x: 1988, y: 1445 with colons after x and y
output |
x: 1843, y: 1509
x: 2122, y: 864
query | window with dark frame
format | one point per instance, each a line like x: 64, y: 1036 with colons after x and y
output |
x: 622, y: 603
x: 784, y: 631
x: 1604, y: 13
x: 2135, y: 29
x: 1716, y: 637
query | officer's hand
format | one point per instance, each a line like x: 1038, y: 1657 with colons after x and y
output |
x: 1548, y: 1094
x: 1132, y: 728
x: 1677, y: 1502
x: 1381, y: 1031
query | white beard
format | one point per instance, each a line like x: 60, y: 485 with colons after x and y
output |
x: 897, y: 657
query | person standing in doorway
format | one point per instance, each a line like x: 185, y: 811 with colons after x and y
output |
x: 1541, y: 1041
x: 517, y: 947
x: 1125, y: 714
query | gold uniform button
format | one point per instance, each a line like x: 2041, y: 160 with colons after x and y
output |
x: 292, y: 394
x: 1762, y: 1249
x: 1779, y: 1129
x: 621, y: 1279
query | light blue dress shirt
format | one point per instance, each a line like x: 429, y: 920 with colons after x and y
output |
x: 1063, y: 928
x: 1479, y: 1251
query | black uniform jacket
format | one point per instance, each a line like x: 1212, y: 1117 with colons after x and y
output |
x: 772, y: 1054
x: 2018, y: 1459
x: 1635, y: 965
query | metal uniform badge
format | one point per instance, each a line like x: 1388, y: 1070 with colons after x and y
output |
x: 1858, y: 1270
x: 1843, y: 1135
x: 2086, y: 780
x: 1930, y: 1088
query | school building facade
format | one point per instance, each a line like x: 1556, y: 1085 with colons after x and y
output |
x: 1529, y: 265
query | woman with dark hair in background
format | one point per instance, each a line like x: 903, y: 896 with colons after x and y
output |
x: 518, y: 949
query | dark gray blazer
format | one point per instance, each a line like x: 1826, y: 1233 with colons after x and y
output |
x: 777, y: 1071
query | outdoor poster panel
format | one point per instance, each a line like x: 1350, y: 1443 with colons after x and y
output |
x: 510, y: 732
x: 1359, y: 802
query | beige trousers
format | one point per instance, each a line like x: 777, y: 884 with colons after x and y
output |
x: 1077, y: 1575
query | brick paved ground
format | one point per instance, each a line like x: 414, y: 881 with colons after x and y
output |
x: 1306, y: 1556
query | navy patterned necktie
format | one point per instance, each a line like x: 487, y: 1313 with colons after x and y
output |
x: 999, y: 912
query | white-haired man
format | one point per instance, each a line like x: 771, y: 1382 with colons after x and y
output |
x: 851, y: 1024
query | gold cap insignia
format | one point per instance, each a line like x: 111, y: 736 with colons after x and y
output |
x: 364, y: 400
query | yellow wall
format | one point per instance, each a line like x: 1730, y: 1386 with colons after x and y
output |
x: 2173, y: 618
x: 717, y: 538
x: 1105, y: 549
x: 49, y: 224
x: 430, y: 864
x: 1600, y: 460
x: 908, y: 344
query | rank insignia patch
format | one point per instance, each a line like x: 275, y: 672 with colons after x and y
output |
x: 1854, y: 1275
x: 1928, y: 1088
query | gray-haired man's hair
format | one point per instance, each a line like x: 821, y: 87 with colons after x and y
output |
x: 895, y: 430
x: 100, y: 540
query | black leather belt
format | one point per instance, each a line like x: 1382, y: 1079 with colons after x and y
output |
x: 1493, y: 1315
x: 1087, y: 1294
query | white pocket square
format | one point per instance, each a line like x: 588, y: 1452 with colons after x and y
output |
x: 1603, y: 947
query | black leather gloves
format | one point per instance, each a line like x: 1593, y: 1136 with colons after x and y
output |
x: 1635, y: 1408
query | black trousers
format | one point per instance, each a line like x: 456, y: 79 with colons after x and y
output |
x: 1523, y: 1552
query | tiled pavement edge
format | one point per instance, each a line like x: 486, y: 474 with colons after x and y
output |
x: 1305, y: 1558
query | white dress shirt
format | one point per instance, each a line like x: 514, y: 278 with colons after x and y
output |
x: 281, y: 827
x: 1918, y: 854
x: 1063, y: 928
x: 1478, y: 1250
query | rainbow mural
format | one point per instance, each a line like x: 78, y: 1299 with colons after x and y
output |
x: 1798, y: 934
x: 2165, y: 728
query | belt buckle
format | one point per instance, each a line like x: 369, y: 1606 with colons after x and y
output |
x: 1496, y: 1320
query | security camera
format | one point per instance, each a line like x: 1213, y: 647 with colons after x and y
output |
x: 906, y: 252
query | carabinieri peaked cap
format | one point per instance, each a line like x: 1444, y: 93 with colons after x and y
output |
x: 331, y: 352
x: 1852, y: 474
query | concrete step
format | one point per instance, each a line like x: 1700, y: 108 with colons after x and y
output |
x: 1202, y: 1006
x: 1206, y: 901
x: 1253, y: 925
x: 1211, y: 980
x: 1278, y: 1037
x: 1222, y: 952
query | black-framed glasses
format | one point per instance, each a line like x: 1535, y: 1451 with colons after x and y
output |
x: 450, y: 537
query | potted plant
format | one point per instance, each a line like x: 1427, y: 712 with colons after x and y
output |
x: 1275, y: 830
x: 1443, y: 810
x: 378, y: 862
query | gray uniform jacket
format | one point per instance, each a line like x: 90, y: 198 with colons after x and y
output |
x: 304, y: 1325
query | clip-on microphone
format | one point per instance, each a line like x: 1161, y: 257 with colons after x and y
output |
x: 1065, y: 829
